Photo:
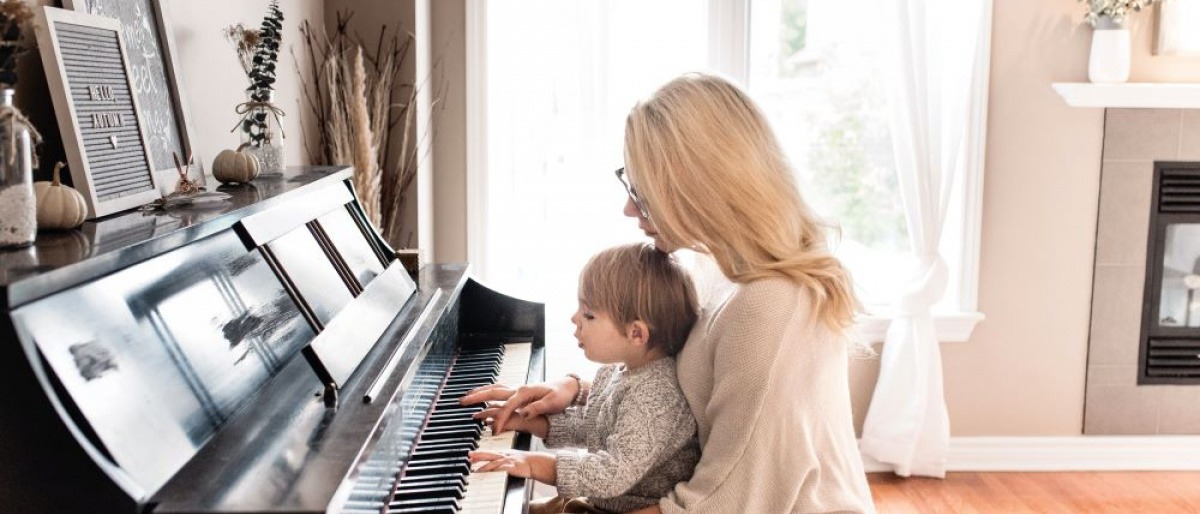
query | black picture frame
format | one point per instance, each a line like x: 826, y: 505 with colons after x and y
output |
x: 151, y: 46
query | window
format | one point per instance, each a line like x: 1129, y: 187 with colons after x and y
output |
x: 561, y: 77
x: 813, y: 67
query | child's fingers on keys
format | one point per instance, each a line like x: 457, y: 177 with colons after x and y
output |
x: 483, y: 455
x: 495, y: 465
x: 490, y: 392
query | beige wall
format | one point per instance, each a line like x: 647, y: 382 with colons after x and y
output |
x: 450, y: 145
x: 1023, y: 371
x: 214, y: 81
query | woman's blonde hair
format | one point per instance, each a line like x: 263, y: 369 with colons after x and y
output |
x: 639, y: 282
x: 711, y: 173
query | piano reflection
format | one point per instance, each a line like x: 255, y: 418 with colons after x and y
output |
x: 269, y: 355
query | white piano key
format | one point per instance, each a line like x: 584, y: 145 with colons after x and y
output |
x: 485, y: 491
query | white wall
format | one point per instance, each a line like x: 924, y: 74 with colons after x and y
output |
x: 213, y: 81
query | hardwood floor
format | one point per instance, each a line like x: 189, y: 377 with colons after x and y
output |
x: 1013, y: 493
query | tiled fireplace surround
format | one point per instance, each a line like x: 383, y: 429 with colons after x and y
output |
x: 1114, y: 403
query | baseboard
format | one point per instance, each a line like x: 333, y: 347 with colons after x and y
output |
x: 1076, y: 453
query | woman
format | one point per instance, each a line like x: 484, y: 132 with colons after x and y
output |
x: 765, y: 371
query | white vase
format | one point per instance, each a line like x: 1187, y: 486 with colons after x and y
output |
x: 1108, y: 62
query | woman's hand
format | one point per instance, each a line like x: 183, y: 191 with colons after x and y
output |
x: 528, y: 400
x: 535, y: 465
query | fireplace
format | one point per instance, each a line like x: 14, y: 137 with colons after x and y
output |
x: 1170, y: 337
x: 1142, y: 330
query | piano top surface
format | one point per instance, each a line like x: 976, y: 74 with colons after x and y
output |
x: 58, y: 260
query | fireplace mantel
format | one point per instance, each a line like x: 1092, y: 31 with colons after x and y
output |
x: 1135, y: 95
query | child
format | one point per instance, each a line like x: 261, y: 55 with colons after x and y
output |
x: 636, y: 307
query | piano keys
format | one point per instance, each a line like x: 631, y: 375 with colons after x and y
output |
x: 263, y: 356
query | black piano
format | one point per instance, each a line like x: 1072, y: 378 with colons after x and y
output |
x: 266, y: 353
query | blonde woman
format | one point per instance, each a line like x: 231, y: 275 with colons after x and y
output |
x: 765, y: 370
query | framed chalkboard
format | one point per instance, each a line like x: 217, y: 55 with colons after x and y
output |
x: 150, y: 44
x: 87, y: 71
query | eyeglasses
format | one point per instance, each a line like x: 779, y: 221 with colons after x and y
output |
x: 637, y: 200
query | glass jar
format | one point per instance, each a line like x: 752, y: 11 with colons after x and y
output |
x: 262, y: 133
x: 18, y: 210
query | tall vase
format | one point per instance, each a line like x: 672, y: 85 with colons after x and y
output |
x: 18, y: 210
x: 263, y: 135
x: 1108, y: 62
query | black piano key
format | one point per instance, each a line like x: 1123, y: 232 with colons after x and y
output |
x: 433, y: 478
x: 424, y: 502
x: 460, y: 468
x: 443, y: 451
x: 472, y: 382
x: 457, y: 413
x: 476, y: 371
x: 440, y: 452
x: 459, y: 484
x: 457, y: 391
x: 473, y: 364
x: 471, y: 359
x: 449, y: 507
x: 464, y: 410
x: 482, y: 350
x: 447, y: 443
x: 412, y: 493
x: 466, y: 364
x: 451, y: 403
x: 462, y: 421
x: 433, y: 509
x: 448, y: 463
x: 453, y: 434
x: 423, y: 442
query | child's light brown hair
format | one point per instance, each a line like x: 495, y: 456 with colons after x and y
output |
x: 639, y: 282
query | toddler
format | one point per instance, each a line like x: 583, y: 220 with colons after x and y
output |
x: 634, y: 432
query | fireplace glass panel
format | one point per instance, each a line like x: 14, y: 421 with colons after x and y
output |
x: 1179, y: 305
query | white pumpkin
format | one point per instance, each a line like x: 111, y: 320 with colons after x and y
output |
x: 235, y: 166
x: 58, y: 206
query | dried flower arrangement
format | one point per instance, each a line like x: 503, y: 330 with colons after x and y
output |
x: 15, y: 16
x: 245, y: 42
x: 258, y: 53
x: 15, y: 19
x: 352, y: 95
x: 1117, y: 10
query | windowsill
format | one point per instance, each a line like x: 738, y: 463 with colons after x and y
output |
x: 952, y: 327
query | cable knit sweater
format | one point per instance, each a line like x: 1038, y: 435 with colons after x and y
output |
x: 770, y: 390
x: 639, y: 434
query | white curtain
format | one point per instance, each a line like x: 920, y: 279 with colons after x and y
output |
x: 939, y: 56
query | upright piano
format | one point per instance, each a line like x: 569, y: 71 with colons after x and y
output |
x: 266, y: 353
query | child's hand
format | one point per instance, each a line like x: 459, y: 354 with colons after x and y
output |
x: 535, y: 465
x: 536, y: 425
x: 514, y: 462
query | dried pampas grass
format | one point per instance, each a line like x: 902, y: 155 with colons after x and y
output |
x: 366, y: 170
x: 353, y: 98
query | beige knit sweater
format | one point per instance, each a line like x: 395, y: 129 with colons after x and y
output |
x: 770, y: 390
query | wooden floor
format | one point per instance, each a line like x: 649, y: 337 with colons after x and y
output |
x: 1013, y: 493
